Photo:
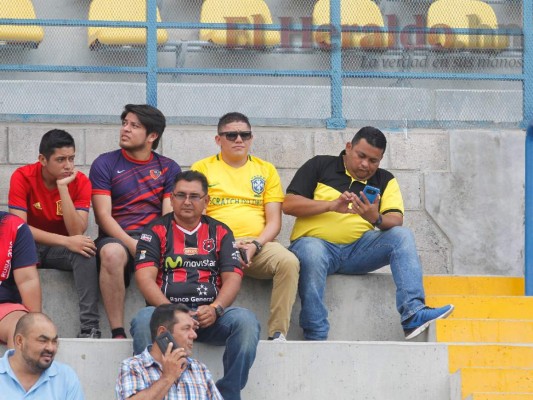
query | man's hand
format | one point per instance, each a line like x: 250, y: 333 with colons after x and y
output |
x: 68, y: 179
x: 81, y: 244
x: 250, y: 252
x: 174, y: 363
x: 206, y: 316
x: 132, y: 246
x: 343, y: 203
x: 368, y: 211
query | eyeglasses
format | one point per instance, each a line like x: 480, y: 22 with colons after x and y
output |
x: 192, y: 197
x: 232, y: 136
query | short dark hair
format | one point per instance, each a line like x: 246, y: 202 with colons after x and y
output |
x: 165, y: 315
x: 151, y: 118
x: 191, y: 176
x: 55, y: 139
x: 373, y: 136
x: 232, y: 117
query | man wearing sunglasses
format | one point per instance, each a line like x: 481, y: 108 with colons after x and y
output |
x: 246, y: 194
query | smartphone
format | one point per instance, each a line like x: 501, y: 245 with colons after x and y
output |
x: 243, y: 255
x: 163, y: 341
x: 371, y: 193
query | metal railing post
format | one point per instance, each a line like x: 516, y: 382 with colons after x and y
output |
x: 528, y: 253
x: 151, y: 53
x: 336, y: 121
x: 527, y: 13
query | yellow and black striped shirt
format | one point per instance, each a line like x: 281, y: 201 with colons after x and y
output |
x: 326, y: 178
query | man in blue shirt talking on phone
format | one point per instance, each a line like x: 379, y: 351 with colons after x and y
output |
x: 338, y: 230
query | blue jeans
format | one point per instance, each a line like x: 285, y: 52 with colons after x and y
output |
x: 375, y: 249
x: 238, y: 329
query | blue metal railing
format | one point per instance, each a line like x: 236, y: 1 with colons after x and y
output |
x: 335, y: 74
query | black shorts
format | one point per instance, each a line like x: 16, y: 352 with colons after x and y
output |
x: 101, y: 241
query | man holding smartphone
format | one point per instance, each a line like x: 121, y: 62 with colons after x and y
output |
x: 335, y: 232
x: 165, y: 369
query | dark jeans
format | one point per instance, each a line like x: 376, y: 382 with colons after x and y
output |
x: 85, y: 279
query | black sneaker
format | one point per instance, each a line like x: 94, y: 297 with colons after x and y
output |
x: 92, y: 333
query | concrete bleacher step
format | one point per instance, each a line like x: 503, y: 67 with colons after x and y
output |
x: 503, y: 380
x: 294, y: 369
x: 360, y: 307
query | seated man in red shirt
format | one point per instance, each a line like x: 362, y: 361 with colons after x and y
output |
x: 54, y: 199
x: 20, y: 290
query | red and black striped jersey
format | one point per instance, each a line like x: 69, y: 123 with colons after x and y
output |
x: 189, y: 263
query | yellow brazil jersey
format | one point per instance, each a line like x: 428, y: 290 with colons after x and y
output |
x: 238, y: 195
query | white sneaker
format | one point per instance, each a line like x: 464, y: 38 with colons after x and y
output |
x: 278, y: 337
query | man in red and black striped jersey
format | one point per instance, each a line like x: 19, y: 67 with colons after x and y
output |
x: 20, y: 288
x: 339, y: 231
x: 190, y: 258
x: 131, y: 187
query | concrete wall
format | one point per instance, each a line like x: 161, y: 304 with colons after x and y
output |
x: 463, y: 189
x: 295, y: 370
x: 360, y: 308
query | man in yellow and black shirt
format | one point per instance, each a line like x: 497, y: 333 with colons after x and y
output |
x: 335, y: 232
x: 246, y: 194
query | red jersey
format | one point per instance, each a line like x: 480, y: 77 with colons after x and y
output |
x: 27, y: 192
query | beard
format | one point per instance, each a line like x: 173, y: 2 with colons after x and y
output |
x: 37, y: 365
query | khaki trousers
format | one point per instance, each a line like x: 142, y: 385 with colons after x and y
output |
x: 279, y: 264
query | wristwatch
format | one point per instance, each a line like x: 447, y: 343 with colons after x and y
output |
x: 219, y: 310
x: 258, y: 245
x: 378, y: 222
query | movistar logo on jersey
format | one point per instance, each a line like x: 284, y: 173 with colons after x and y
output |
x: 171, y: 263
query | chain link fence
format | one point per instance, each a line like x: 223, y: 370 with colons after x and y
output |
x: 402, y: 63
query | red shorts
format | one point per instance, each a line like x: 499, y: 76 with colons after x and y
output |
x: 7, y: 308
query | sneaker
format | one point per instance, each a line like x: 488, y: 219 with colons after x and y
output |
x: 119, y: 337
x: 419, y: 322
x: 93, y: 333
x: 278, y: 337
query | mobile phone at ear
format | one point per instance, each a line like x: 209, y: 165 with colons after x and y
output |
x: 163, y: 341
x: 371, y: 193
x: 244, y: 257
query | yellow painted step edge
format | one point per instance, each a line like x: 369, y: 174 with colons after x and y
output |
x: 467, y: 284
x: 496, y: 380
x: 494, y: 307
x: 484, y: 330
x: 489, y: 355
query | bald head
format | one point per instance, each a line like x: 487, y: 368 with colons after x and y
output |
x: 25, y: 323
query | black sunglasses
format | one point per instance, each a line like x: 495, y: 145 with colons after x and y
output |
x: 232, y: 136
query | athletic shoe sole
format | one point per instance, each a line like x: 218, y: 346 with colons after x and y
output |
x: 423, y: 327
